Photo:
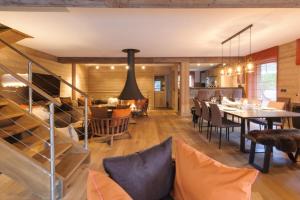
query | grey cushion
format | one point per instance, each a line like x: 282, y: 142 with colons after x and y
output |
x: 146, y: 175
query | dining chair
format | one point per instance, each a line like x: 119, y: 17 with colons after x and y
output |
x: 277, y: 122
x: 99, y: 112
x: 205, y: 115
x: 287, y: 107
x: 198, y: 112
x: 220, y: 122
x: 108, y: 129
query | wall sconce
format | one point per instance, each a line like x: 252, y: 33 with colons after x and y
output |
x: 229, y: 72
x: 8, y: 80
x: 239, y: 70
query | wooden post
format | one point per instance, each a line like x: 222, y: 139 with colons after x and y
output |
x: 74, y: 80
x: 184, y: 89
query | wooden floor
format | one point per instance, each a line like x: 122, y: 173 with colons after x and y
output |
x: 282, y: 182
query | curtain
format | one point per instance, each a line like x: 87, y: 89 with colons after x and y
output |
x: 258, y: 58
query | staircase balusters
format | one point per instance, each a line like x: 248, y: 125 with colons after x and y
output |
x: 52, y: 153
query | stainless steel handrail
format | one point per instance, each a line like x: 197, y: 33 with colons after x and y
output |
x: 30, y: 85
x: 32, y: 61
x: 43, y: 68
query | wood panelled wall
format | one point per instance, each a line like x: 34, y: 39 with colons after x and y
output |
x: 19, y: 65
x: 288, y: 78
x: 104, y: 82
x: 288, y: 72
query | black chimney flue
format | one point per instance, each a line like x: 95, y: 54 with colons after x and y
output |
x: 131, y: 90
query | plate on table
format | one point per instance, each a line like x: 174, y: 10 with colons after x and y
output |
x: 268, y: 108
x: 229, y: 109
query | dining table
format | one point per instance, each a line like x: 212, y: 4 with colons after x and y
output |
x: 253, y: 113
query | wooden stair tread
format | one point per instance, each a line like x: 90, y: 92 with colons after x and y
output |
x: 10, y: 116
x: 70, y: 164
x: 59, y: 150
x: 30, y: 141
x: 16, y: 129
x: 3, y: 103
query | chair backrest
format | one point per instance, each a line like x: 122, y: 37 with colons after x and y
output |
x: 287, y: 102
x: 121, y: 113
x: 205, y: 111
x: 98, y: 112
x: 216, y: 116
x: 277, y: 105
x: 197, y: 107
x: 109, y: 126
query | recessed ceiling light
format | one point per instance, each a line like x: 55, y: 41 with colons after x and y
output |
x: 143, y: 67
x: 112, y: 67
x: 127, y: 67
x: 97, y: 67
x: 198, y: 64
x: 211, y: 64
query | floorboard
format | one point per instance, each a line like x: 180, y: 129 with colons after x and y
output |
x: 282, y: 182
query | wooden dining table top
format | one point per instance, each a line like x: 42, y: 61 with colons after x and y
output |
x: 258, y: 112
x: 262, y: 112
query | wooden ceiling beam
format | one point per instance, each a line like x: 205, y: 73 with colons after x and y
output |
x: 141, y: 60
x: 155, y: 4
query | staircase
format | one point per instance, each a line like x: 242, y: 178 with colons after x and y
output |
x: 10, y: 35
x: 25, y: 154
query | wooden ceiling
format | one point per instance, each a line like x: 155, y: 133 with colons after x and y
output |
x: 156, y: 3
x: 142, y: 60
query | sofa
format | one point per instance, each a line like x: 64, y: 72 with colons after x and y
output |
x: 150, y: 175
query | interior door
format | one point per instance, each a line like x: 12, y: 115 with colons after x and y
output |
x: 160, y: 94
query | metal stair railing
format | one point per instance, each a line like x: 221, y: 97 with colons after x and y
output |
x: 32, y: 61
x: 51, y: 125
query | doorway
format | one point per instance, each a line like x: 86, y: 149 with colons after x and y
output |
x: 160, y: 92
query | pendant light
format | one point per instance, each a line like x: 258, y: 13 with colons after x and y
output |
x: 250, y: 65
x: 238, y: 69
x: 222, y: 72
x: 229, y: 70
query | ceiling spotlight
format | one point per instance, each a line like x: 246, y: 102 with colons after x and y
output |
x: 211, y: 64
x: 97, y: 67
x: 198, y: 64
x: 143, y: 67
x: 127, y: 67
x: 112, y: 67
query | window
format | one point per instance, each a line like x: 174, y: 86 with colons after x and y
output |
x: 157, y: 86
x: 191, y: 81
x: 266, y: 81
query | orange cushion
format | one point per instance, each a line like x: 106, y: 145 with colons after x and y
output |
x: 101, y: 187
x: 121, y: 113
x: 198, y: 177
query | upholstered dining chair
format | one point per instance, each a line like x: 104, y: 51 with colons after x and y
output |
x: 198, y: 112
x: 278, y: 122
x: 220, y: 122
x: 205, y: 115
x: 287, y: 107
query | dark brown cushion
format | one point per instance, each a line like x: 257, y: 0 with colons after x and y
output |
x: 146, y: 175
x: 287, y: 140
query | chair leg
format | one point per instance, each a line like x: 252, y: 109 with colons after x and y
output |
x: 111, y: 141
x: 248, y: 125
x: 209, y: 139
x: 267, y: 159
x: 252, y: 152
x: 208, y: 125
x: 220, y: 138
x: 201, y: 125
x: 233, y: 121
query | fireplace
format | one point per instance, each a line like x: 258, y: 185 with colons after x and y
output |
x: 131, y: 90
